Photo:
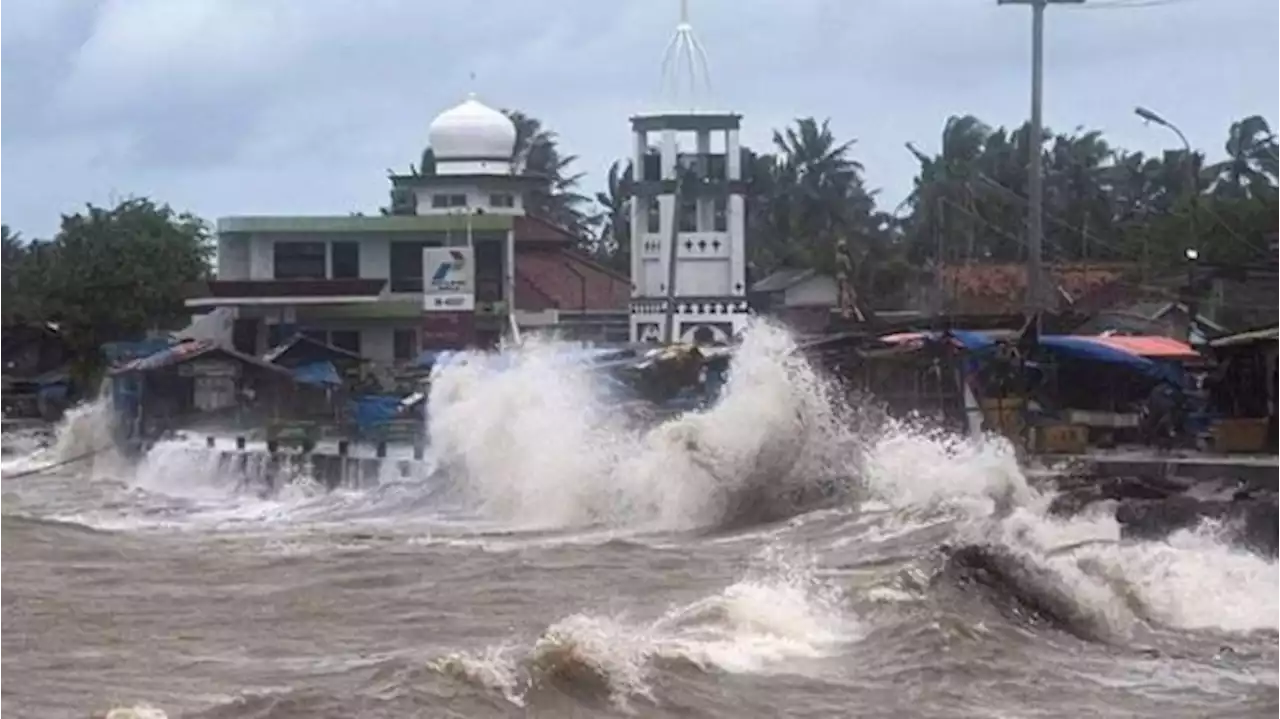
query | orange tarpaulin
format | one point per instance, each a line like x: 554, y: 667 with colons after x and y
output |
x: 1155, y: 347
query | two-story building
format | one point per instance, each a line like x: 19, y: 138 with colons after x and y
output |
x: 357, y: 282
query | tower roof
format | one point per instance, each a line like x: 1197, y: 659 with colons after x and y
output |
x: 472, y: 131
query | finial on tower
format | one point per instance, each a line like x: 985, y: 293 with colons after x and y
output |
x: 686, y: 74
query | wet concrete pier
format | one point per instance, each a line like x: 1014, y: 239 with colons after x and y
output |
x: 336, y: 464
x: 1255, y: 471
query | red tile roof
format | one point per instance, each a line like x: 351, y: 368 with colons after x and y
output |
x: 1001, y: 288
x: 562, y: 279
x: 529, y: 228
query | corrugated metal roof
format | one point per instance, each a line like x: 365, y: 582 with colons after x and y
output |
x: 187, y: 351
x: 782, y: 279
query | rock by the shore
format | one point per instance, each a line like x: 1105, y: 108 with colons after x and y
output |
x: 1150, y: 508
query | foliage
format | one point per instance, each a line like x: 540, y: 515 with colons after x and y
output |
x: 1100, y: 203
x: 537, y: 152
x: 108, y: 274
x: 969, y: 203
x: 613, y: 244
x: 15, y: 251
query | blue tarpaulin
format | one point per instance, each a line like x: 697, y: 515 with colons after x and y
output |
x: 369, y: 411
x: 318, y: 373
x: 1085, y: 349
x: 972, y: 340
x: 428, y: 358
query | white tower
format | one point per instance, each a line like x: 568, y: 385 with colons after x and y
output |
x: 688, y: 190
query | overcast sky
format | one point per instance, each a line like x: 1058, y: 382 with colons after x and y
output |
x: 227, y: 107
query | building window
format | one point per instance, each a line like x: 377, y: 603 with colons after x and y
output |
x: 652, y: 166
x: 490, y: 259
x: 688, y: 215
x: 720, y: 214
x: 654, y: 215
x: 320, y: 336
x: 300, y: 260
x: 405, y: 345
x: 452, y: 200
x: 345, y: 260
x: 406, y: 265
x: 502, y: 199
x: 348, y: 340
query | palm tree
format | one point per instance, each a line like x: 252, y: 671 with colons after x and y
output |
x: 614, y: 242
x: 819, y: 195
x: 537, y: 153
x: 1250, y: 167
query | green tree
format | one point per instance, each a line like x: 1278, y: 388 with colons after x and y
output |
x: 15, y: 253
x: 613, y: 244
x: 969, y: 202
x: 112, y: 274
x: 557, y: 199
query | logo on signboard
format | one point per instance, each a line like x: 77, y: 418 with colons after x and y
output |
x: 454, y: 265
x: 451, y: 282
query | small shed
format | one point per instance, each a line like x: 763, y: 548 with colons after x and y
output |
x: 36, y: 376
x: 198, y: 379
x: 1244, y: 384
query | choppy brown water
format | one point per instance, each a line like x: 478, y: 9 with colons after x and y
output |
x: 168, y: 588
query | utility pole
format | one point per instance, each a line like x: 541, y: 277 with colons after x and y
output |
x: 1035, y: 178
x: 1193, y: 197
x: 673, y: 249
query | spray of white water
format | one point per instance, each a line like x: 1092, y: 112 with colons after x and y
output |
x: 85, y: 429
x: 542, y: 444
x: 1193, y: 580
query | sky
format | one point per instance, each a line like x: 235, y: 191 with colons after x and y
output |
x: 243, y: 107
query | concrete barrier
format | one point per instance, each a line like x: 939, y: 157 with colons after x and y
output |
x: 264, y: 468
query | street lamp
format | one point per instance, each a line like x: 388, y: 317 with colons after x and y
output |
x: 1152, y: 117
x: 1193, y: 186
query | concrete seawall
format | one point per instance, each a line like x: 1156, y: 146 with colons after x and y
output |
x: 1255, y: 471
x: 265, y: 466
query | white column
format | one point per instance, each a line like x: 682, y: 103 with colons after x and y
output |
x: 641, y: 147
x: 510, y: 273
x: 734, y: 156
x: 669, y: 151
x: 667, y: 202
x: 639, y: 214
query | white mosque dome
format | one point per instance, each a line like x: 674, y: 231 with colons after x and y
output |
x: 472, y: 132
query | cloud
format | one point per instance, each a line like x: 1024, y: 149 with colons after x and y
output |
x: 270, y: 106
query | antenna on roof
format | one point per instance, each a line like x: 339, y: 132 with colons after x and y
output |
x: 686, y: 74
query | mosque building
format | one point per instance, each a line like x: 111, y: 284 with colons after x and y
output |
x: 460, y: 263
x: 370, y: 284
x: 688, y: 212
